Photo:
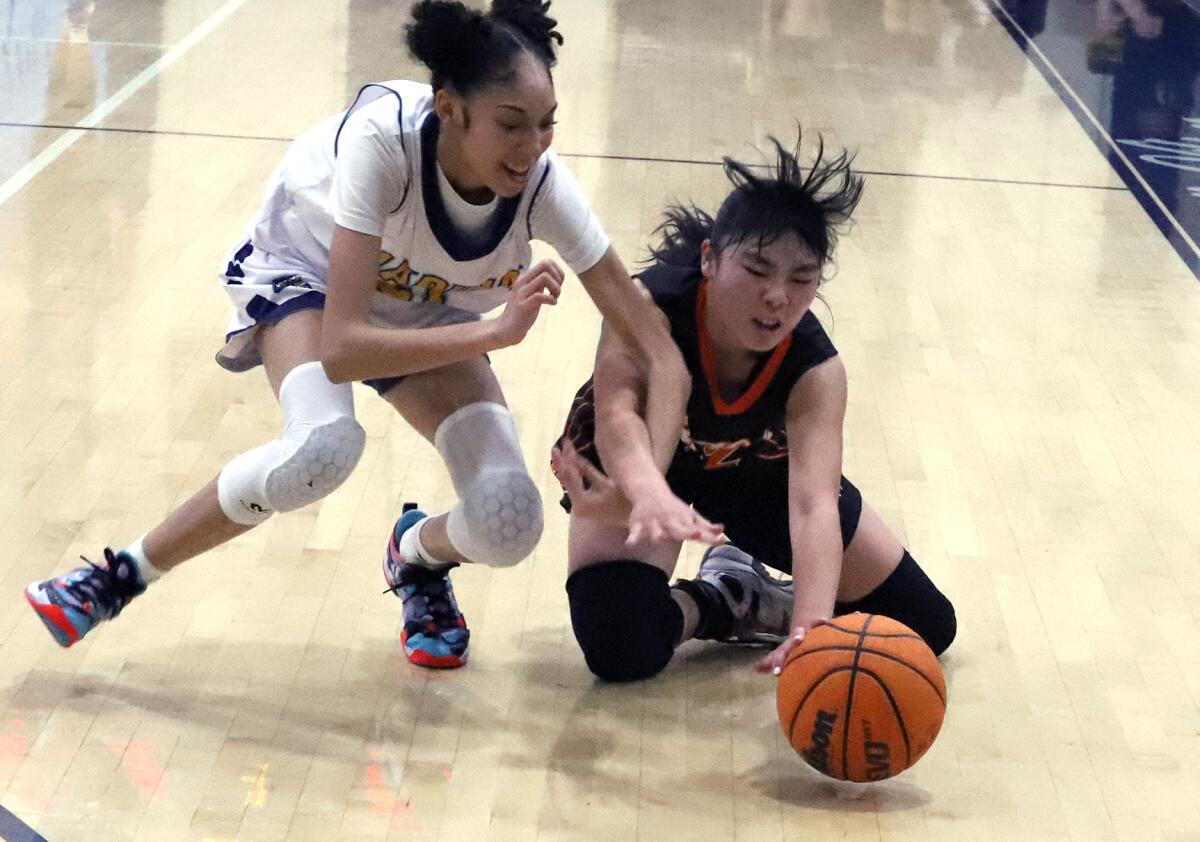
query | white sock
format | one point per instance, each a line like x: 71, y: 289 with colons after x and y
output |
x: 414, y: 552
x: 146, y: 570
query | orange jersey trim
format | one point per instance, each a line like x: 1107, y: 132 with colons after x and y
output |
x: 761, y: 382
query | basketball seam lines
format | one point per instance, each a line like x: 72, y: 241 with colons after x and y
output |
x: 873, y: 634
x: 853, y: 670
x: 816, y: 683
x: 887, y: 691
x: 819, y: 680
x: 850, y: 697
x: 900, y: 661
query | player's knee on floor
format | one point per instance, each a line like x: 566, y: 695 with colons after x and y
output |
x: 624, y: 618
x: 320, y: 446
x: 908, y: 595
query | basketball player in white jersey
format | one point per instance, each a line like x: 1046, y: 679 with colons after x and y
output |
x: 384, y: 235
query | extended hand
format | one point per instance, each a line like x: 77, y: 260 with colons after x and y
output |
x: 773, y: 663
x: 593, y: 495
x: 661, y: 516
x: 654, y: 516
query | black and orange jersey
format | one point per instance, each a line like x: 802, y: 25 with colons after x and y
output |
x: 731, y: 462
x: 730, y: 446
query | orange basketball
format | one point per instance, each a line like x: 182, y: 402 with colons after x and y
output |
x: 862, y: 698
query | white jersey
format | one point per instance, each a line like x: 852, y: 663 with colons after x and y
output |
x: 373, y: 169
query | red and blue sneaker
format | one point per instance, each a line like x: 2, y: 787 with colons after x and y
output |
x: 72, y: 605
x: 435, y: 632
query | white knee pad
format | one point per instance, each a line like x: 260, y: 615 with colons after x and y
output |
x: 498, y: 519
x: 320, y: 445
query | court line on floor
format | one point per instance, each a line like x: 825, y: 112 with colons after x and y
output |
x: 17, y: 124
x: 891, y: 173
x: 52, y: 152
x: 13, y: 829
x: 92, y: 41
x: 1076, y: 104
x: 602, y: 157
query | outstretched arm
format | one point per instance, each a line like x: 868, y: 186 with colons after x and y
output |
x: 636, y: 438
x: 625, y: 431
x: 632, y: 316
x: 816, y: 411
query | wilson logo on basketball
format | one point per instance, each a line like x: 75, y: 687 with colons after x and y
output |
x: 870, y: 691
x: 817, y: 754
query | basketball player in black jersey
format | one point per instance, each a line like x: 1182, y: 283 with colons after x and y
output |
x: 757, y: 448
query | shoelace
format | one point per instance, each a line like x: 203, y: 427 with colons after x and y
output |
x: 438, y: 605
x: 102, y: 587
x: 437, y: 600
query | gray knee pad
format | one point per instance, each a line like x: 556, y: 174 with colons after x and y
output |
x: 320, y: 446
x: 498, y: 519
x: 322, y: 461
x: 498, y: 522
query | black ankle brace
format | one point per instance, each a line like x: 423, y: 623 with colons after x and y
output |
x: 716, y: 620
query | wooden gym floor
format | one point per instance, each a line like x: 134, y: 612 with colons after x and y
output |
x: 1023, y: 347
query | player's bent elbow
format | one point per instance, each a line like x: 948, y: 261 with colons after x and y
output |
x: 336, y: 373
x: 809, y: 508
x: 336, y: 362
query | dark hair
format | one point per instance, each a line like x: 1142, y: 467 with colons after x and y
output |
x: 813, y: 207
x: 466, y: 49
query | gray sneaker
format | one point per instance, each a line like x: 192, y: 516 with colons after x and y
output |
x: 761, y: 604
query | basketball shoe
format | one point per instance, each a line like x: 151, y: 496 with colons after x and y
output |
x: 73, y: 604
x: 761, y: 605
x: 435, y: 633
